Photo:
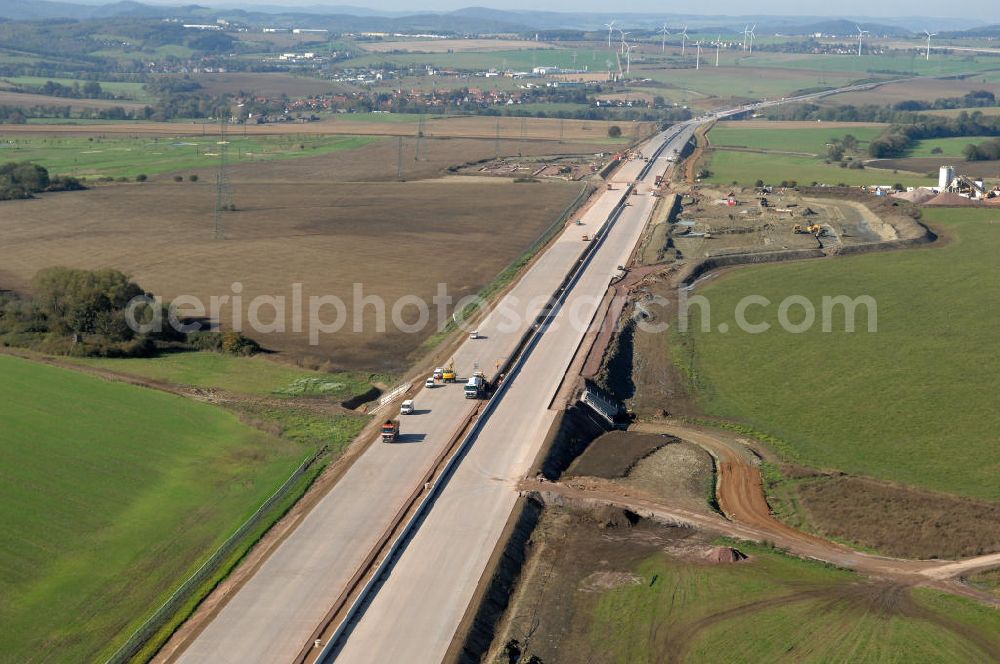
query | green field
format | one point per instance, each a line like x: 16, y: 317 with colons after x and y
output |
x: 247, y: 375
x: 694, y: 612
x: 913, y: 402
x: 745, y: 168
x: 111, y: 496
x: 912, y: 64
x: 128, y: 157
x: 842, y: 630
x: 812, y: 141
x: 950, y: 147
x: 746, y: 81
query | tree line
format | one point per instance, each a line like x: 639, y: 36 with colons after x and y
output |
x: 898, y: 139
x: 987, y: 151
x: 86, y: 313
x: 20, y: 180
x: 906, y: 123
x: 89, y: 90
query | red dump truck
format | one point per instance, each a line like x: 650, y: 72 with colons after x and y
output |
x: 390, y: 431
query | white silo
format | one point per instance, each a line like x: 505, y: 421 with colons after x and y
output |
x: 945, y: 177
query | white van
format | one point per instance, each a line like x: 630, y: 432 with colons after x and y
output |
x: 406, y: 408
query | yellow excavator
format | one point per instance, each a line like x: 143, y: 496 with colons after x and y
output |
x: 812, y: 229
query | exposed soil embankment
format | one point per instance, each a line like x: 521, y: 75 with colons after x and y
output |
x: 363, y: 398
x: 476, y: 631
x: 615, y: 453
x: 569, y: 436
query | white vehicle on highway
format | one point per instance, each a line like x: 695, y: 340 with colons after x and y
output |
x: 406, y: 408
x: 438, y: 373
x: 474, y: 334
x: 430, y: 383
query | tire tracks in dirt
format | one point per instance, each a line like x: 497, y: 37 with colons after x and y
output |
x: 746, y: 515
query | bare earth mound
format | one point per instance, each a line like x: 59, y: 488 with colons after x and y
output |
x: 615, y: 453
x: 724, y: 554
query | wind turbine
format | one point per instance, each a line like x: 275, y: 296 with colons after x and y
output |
x: 929, y: 35
x: 746, y: 32
x: 624, y: 35
x: 663, y: 41
x: 697, y: 58
x: 751, y: 35
x: 861, y: 36
x: 628, y: 57
x: 684, y: 38
x: 610, y: 27
x: 718, y: 45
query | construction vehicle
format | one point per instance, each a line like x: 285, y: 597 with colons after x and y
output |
x: 658, y: 181
x: 812, y: 229
x: 390, y: 431
x: 476, y: 386
x: 448, y: 374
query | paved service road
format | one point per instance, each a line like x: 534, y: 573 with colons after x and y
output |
x: 414, y: 615
x: 274, y: 614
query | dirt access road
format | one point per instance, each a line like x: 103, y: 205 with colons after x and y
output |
x: 740, y: 492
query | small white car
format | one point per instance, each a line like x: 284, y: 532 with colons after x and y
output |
x: 406, y: 408
x: 430, y: 383
x: 474, y: 334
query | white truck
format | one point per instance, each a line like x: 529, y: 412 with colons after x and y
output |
x: 475, y: 388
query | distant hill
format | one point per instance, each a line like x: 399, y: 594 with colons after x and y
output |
x: 842, y: 27
x: 475, y: 19
x: 987, y: 31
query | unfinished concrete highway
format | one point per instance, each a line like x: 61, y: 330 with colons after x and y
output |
x: 275, y: 613
x: 427, y: 592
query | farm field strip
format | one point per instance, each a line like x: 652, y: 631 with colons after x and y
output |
x: 119, y: 156
x: 376, y: 124
x: 811, y: 140
x: 746, y: 168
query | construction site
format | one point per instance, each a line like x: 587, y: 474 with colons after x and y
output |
x: 570, y: 167
x: 714, y: 223
x: 594, y: 535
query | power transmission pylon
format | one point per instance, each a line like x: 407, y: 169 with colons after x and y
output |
x: 399, y: 159
x: 223, y: 196
x: 420, y: 135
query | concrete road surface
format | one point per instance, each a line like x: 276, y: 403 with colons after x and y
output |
x: 273, y: 615
x: 414, y: 615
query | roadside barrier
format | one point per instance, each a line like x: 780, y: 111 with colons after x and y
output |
x: 510, y: 369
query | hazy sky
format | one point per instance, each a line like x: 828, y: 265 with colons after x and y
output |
x: 980, y: 8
